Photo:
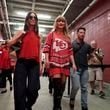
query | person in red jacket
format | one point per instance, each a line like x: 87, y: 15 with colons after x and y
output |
x: 27, y: 69
x: 5, y: 67
x: 58, y: 52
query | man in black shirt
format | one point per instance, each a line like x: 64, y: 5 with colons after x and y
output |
x: 81, y: 50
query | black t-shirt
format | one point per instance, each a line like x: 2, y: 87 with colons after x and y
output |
x: 81, y: 51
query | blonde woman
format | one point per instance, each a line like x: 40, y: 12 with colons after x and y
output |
x: 58, y: 51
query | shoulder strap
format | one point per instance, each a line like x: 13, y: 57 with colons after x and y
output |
x: 98, y: 55
x: 81, y: 45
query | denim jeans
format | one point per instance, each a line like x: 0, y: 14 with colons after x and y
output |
x: 82, y: 81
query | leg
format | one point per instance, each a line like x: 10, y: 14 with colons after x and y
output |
x: 99, y: 77
x: 50, y: 85
x: 84, y: 92
x: 57, y: 94
x: 9, y: 75
x: 63, y: 82
x: 74, y: 87
x: 92, y: 83
x: 3, y: 85
x: 20, y: 86
x: 0, y: 80
x: 33, y: 85
x: 92, y: 79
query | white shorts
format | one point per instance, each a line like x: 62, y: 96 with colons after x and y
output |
x: 95, y: 74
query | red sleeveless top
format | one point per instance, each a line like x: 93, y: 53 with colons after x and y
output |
x: 30, y: 47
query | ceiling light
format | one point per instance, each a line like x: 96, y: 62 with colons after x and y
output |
x: 15, y: 23
x: 21, y: 13
x: 46, y: 26
x: 22, y: 24
x: 43, y: 16
x: 40, y: 16
x: 42, y: 30
x: 19, y: 28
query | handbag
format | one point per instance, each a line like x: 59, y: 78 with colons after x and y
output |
x: 16, y: 47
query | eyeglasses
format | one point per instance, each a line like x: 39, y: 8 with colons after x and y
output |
x: 31, y: 17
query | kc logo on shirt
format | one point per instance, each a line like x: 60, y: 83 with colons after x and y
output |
x: 59, y: 45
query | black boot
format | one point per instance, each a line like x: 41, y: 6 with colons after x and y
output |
x: 57, y: 94
x: 71, y: 103
x: 84, y: 108
x: 57, y: 108
x: 50, y: 85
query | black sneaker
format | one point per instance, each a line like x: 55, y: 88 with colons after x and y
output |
x: 84, y: 108
x: 11, y: 88
x: 92, y: 92
x: 50, y: 91
x: 101, y: 94
x: 71, y: 103
x: 57, y: 108
x: 3, y: 91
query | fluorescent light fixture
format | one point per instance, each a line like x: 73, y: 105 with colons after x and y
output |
x: 40, y: 16
x: 43, y: 16
x: 19, y: 27
x: 22, y: 24
x: 16, y: 23
x: 21, y: 13
x: 42, y: 30
x: 46, y: 26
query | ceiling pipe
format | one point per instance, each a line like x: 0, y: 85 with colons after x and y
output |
x: 33, y: 5
x: 83, y: 12
x: 3, y: 19
x: 71, y: 1
x: 7, y: 19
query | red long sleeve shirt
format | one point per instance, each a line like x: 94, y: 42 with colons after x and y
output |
x: 59, y: 49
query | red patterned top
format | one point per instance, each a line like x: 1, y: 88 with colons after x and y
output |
x: 59, y: 49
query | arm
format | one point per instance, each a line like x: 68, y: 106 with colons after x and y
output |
x: 16, y: 37
x: 73, y: 63
x: 100, y: 54
x: 47, y: 48
x: 47, y: 60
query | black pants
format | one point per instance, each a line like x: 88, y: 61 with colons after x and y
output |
x: 6, y: 73
x: 1, y: 75
x: 26, y: 83
x: 50, y: 84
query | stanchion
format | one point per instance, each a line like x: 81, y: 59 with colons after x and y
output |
x: 68, y: 87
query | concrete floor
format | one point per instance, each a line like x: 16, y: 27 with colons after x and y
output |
x: 44, y: 101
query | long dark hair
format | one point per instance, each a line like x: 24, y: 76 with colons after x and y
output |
x: 26, y: 27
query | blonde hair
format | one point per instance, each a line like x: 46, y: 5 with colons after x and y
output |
x: 65, y: 30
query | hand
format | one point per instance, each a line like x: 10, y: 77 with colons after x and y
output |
x: 47, y: 64
x: 41, y: 71
x: 74, y: 68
